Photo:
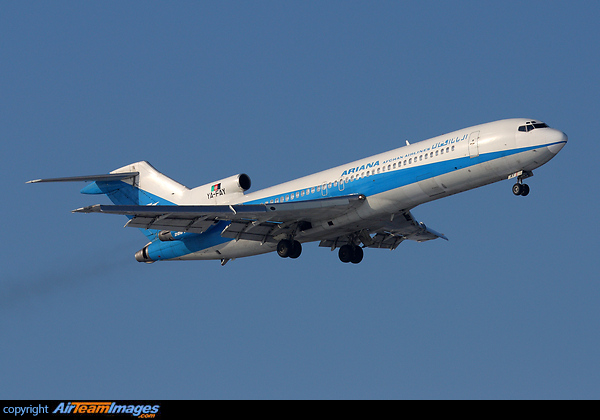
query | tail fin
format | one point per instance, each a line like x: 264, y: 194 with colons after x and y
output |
x: 148, y: 188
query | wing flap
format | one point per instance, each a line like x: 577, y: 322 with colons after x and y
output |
x: 249, y: 221
x: 173, y: 225
x: 388, y: 235
x: 263, y: 232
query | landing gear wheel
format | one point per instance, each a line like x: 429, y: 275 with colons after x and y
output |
x: 517, y: 189
x: 345, y: 253
x: 357, y: 255
x: 525, y: 190
x: 284, y: 248
x: 296, y: 249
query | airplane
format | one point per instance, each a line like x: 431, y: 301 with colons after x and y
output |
x: 362, y: 204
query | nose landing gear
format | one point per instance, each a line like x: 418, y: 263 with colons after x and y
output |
x: 519, y: 188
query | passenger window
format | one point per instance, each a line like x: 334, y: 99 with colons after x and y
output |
x: 404, y: 163
x: 287, y: 198
x: 319, y: 188
x: 277, y: 200
x: 329, y: 185
x: 312, y: 190
x: 298, y: 194
x: 409, y: 161
x: 453, y: 148
x: 302, y: 193
x: 389, y: 167
x: 421, y: 157
x: 447, y: 150
x: 436, y: 152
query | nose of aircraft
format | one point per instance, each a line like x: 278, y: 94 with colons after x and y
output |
x: 559, y: 139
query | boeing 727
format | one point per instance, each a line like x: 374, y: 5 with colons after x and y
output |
x: 364, y: 204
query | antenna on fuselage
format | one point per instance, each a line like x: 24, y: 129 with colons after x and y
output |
x: 407, y: 143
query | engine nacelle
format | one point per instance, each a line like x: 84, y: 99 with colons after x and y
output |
x: 222, y: 191
x: 169, y: 236
x: 165, y: 236
x: 142, y: 255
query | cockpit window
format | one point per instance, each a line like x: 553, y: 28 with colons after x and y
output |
x: 532, y: 125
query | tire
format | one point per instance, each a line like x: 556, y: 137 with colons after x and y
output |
x: 517, y: 189
x: 525, y: 191
x: 296, y: 249
x: 345, y: 253
x: 284, y: 248
x: 357, y: 255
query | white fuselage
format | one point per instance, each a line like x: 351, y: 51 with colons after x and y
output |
x: 404, y: 178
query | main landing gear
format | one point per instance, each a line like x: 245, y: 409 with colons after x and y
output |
x: 289, y: 248
x: 351, y: 253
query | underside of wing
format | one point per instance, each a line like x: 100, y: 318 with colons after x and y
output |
x: 260, y: 222
x: 385, y: 234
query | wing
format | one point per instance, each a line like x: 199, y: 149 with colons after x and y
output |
x: 388, y: 234
x: 260, y: 222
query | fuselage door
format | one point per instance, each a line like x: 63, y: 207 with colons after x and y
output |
x: 474, y: 144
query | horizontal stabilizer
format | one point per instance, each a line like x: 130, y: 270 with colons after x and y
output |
x: 89, y: 178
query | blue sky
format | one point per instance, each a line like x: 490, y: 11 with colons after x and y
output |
x: 508, y: 308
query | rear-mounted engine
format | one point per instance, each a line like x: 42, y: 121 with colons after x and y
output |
x: 142, y: 255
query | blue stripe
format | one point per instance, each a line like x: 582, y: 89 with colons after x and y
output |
x: 389, y: 180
